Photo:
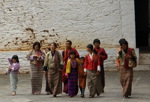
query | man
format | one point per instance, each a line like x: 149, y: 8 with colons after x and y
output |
x: 65, y: 55
x: 126, y: 71
x: 103, y: 56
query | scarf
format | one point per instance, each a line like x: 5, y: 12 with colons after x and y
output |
x: 128, y: 52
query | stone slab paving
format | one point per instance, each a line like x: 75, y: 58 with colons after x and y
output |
x: 141, y: 90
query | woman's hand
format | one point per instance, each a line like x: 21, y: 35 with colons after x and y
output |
x: 9, y: 68
x: 85, y: 74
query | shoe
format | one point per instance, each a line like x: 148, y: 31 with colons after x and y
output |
x: 82, y: 96
x: 54, y: 96
x: 91, y: 96
x: 13, y: 93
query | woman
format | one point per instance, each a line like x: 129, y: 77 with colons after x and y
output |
x: 54, y: 62
x: 126, y: 72
x: 92, y: 69
x: 36, y: 57
x: 72, y: 74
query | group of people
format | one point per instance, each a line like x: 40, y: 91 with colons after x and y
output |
x: 73, y: 70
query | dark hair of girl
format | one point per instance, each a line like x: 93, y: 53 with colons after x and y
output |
x: 82, y: 58
x: 90, y: 46
x: 48, y: 49
x: 96, y: 41
x: 16, y: 58
x: 72, y: 53
x: 54, y: 44
x: 36, y: 43
x: 123, y: 41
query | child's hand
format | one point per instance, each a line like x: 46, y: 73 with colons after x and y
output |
x: 9, y: 68
x: 85, y: 74
x: 97, y: 73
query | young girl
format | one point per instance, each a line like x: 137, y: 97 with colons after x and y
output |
x: 13, y: 70
x: 82, y: 77
x: 72, y: 74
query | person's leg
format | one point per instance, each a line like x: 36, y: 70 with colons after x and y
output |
x: 13, y: 83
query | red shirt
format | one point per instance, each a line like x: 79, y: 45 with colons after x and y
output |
x: 92, y: 64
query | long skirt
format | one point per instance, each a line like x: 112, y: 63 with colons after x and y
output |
x: 94, y: 83
x: 126, y: 78
x: 65, y: 81
x: 55, y: 80
x: 73, y: 82
x: 102, y: 74
x: 36, y: 79
x: 47, y: 89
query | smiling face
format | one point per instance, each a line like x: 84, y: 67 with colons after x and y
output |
x: 36, y: 48
x: 14, y: 60
x: 72, y: 56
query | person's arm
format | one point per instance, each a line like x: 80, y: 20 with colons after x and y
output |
x: 85, y: 64
x: 61, y: 61
x: 134, y: 57
x: 30, y: 56
x: 10, y: 61
x: 46, y: 60
x: 104, y: 55
x: 77, y: 54
x: 42, y: 56
x: 98, y: 65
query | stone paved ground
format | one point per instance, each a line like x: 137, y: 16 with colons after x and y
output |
x: 141, y: 90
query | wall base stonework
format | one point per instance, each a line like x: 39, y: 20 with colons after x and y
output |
x: 25, y: 66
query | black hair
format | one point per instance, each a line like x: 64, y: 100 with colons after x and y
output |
x: 54, y: 44
x: 36, y: 43
x: 48, y: 49
x: 69, y: 41
x: 82, y: 58
x: 16, y: 58
x: 72, y: 53
x: 123, y: 41
x: 90, y: 46
x: 96, y: 41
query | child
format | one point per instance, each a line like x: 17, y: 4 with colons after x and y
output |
x: 82, y: 77
x: 13, y: 70
x: 72, y: 74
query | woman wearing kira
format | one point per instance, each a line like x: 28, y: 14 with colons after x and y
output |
x: 36, y: 58
x: 54, y: 62
x: 124, y: 55
x: 92, y: 70
x: 73, y: 64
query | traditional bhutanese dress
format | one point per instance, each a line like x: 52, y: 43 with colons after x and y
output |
x: 54, y: 62
x: 36, y: 71
x: 65, y: 54
x: 92, y: 65
x: 126, y: 73
x: 72, y: 71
